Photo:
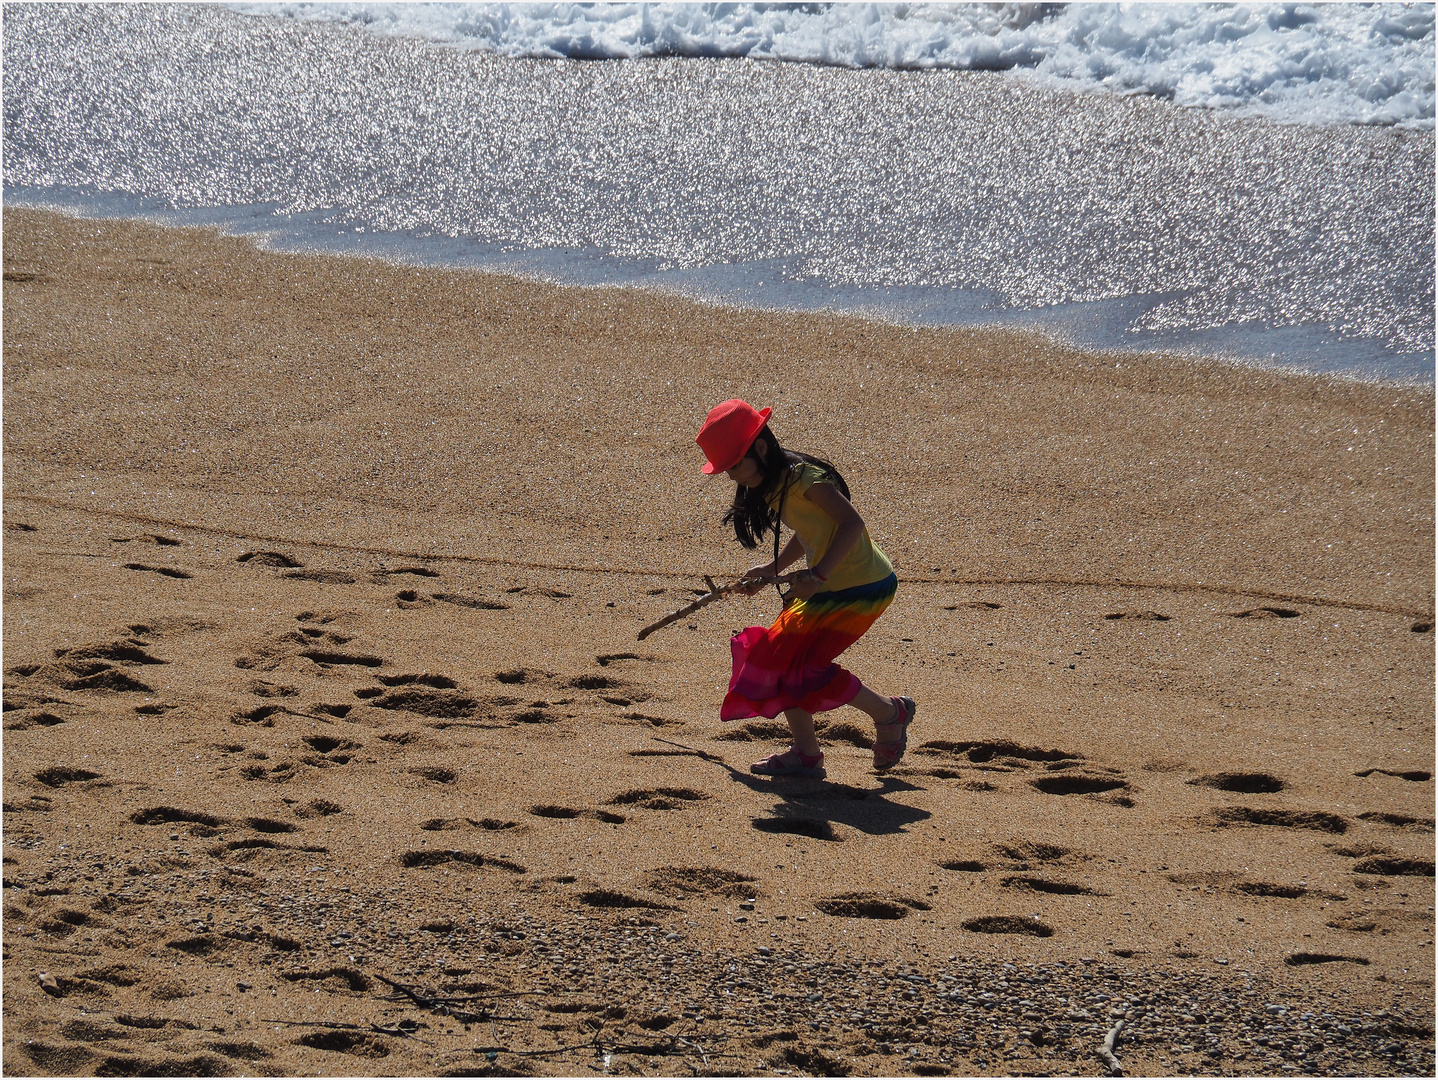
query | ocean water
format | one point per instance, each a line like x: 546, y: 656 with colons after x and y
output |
x: 1249, y: 181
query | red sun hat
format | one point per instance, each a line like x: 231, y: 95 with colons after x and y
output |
x: 728, y: 433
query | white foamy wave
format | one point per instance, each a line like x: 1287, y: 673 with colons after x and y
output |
x: 1294, y: 63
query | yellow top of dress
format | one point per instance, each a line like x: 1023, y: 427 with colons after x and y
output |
x: 864, y: 564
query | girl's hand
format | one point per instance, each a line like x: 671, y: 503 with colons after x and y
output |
x: 751, y: 582
x: 805, y: 586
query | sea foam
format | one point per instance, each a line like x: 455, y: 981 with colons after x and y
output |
x: 1293, y: 63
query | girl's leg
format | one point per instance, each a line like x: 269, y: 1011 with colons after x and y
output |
x: 880, y: 709
x: 891, y: 718
x: 804, y: 758
x: 801, y: 727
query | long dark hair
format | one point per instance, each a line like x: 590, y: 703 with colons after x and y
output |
x: 751, y: 514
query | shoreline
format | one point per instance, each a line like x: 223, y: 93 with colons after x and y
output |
x: 322, y: 581
x: 906, y: 307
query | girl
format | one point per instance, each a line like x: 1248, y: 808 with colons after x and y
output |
x: 790, y: 667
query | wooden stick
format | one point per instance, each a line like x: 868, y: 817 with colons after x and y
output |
x: 1106, y: 1051
x: 715, y: 593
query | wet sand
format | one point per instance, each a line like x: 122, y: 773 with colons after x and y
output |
x: 330, y: 746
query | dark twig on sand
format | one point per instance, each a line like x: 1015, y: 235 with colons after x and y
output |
x: 445, y: 1006
x: 405, y: 1029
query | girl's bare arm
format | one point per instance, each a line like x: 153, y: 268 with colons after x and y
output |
x: 850, y: 525
x: 792, y: 551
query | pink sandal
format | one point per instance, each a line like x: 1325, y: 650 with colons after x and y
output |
x: 791, y: 763
x: 890, y: 752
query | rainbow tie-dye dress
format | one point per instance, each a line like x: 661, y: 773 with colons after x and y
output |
x: 790, y: 665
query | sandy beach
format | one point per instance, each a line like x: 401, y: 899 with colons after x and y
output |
x: 330, y: 748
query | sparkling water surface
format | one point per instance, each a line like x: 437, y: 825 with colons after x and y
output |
x: 945, y: 197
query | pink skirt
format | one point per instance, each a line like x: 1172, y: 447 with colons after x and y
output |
x: 790, y: 665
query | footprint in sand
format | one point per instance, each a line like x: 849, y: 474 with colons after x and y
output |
x: 1394, y: 866
x: 1009, y: 924
x: 474, y: 602
x: 609, y: 898
x: 862, y: 905
x: 435, y: 774
x: 963, y: 866
x: 322, y: 577
x: 1023, y: 852
x: 59, y: 775
x: 318, y: 808
x: 1247, y: 783
x: 270, y: 558
x: 92, y: 667
x: 1269, y: 889
x: 306, y: 642
x: 1301, y: 958
x: 329, y: 751
x: 264, y: 715
x: 435, y: 682
x: 569, y: 812
x: 756, y: 731
x: 269, y: 825
x: 605, y: 659
x: 1286, y: 819
x: 381, y: 576
x: 331, y: 658
x: 1049, y: 886
x: 952, y: 774
x: 166, y: 815
x: 253, y: 846
x: 157, y: 539
x: 1383, y: 921
x: 42, y: 804
x: 1398, y: 821
x: 346, y: 977
x: 346, y: 1042
x: 1084, y: 783
x: 433, y: 695
x: 1413, y: 775
x: 552, y: 594
x: 25, y: 719
x: 165, y: 571
x: 1138, y: 616
x: 662, y: 798
x: 1264, y: 613
x: 682, y: 882
x: 652, y: 721
x: 519, y: 676
x: 992, y: 752
x: 461, y: 824
x: 427, y: 859
x: 846, y: 731
x: 813, y: 828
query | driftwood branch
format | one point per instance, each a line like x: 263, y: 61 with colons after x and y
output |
x: 405, y: 1028
x: 446, y: 1006
x: 1115, y: 1068
x: 715, y: 593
